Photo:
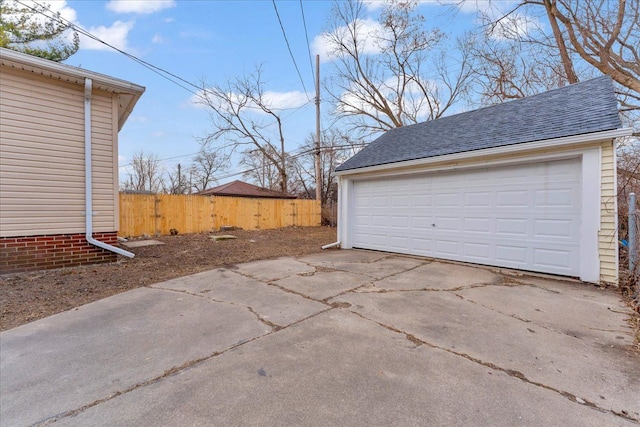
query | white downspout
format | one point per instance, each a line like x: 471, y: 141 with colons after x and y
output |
x: 88, y: 177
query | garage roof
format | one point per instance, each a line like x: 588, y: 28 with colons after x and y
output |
x: 243, y: 189
x: 581, y: 108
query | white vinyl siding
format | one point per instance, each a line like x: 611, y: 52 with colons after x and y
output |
x: 608, y: 236
x: 42, y: 156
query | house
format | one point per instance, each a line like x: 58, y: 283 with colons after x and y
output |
x: 243, y: 189
x: 59, y: 161
x: 529, y: 184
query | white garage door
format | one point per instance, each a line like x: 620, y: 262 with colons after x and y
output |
x: 525, y: 216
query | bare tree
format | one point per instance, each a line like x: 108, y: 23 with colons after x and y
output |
x: 242, y: 114
x: 261, y: 170
x: 335, y: 148
x: 206, y: 164
x: 602, y: 35
x: 395, y: 73
x: 146, y: 173
x: 504, y: 71
x: 177, y: 181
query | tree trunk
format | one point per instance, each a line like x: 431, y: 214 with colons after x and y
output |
x: 570, y: 74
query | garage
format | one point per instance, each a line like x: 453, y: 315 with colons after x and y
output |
x: 528, y: 185
x: 524, y: 216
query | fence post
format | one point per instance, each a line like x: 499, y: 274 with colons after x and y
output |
x: 633, y: 244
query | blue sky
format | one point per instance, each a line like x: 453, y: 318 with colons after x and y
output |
x: 215, y: 41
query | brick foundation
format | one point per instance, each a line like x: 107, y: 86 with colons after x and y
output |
x: 18, y: 254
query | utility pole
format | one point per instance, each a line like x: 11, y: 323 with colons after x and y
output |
x: 318, y: 169
x: 179, y: 191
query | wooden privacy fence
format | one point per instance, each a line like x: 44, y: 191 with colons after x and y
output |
x: 158, y: 214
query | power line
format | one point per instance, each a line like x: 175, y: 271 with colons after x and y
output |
x: 155, y: 69
x: 295, y: 64
x: 306, y: 35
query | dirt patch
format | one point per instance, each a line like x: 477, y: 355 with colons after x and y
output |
x: 27, y: 297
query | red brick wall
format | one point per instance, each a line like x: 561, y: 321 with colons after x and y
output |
x: 27, y: 253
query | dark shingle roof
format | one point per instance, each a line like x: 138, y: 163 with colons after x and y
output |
x: 243, y: 189
x: 577, y: 109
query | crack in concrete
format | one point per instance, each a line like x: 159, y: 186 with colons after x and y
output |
x: 291, y: 291
x: 166, y: 374
x: 510, y: 372
x: 515, y: 316
x: 261, y: 319
x: 348, y: 291
x: 381, y: 290
x: 399, y: 272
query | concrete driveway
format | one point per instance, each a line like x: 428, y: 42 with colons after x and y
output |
x: 337, y: 338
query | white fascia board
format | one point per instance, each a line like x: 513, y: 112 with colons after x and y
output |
x: 65, y: 72
x: 496, y: 151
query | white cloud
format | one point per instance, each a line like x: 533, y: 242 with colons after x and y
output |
x: 366, y: 32
x: 273, y: 100
x: 284, y: 100
x: 464, y: 6
x: 139, y: 6
x: 55, y: 6
x: 157, y: 38
x: 374, y: 4
x: 472, y: 6
x: 514, y: 26
x: 115, y: 35
x: 413, y: 102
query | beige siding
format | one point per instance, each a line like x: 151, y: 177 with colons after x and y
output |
x: 608, y: 236
x: 42, y: 156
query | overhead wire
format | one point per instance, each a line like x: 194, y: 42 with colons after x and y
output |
x: 155, y: 69
x: 171, y: 77
x: 286, y: 40
x: 306, y: 35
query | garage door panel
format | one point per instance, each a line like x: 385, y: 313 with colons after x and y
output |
x: 525, y: 216
x: 420, y: 200
x: 478, y: 199
x: 423, y: 245
x: 512, y: 198
x: 511, y: 254
x: 420, y: 223
x: 448, y: 200
x: 512, y: 227
x: 447, y: 247
x: 553, y: 258
x: 477, y: 225
x: 560, y: 197
x: 444, y: 223
x: 478, y: 251
x: 555, y: 229
x: 397, y: 242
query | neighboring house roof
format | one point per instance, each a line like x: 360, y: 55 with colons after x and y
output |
x: 128, y: 93
x: 577, y: 109
x: 243, y: 189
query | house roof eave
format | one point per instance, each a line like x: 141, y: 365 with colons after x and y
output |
x: 75, y: 75
x: 567, y: 141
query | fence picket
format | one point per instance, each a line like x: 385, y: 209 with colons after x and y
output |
x: 158, y: 214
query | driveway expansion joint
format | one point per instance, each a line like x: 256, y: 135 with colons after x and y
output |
x: 510, y: 372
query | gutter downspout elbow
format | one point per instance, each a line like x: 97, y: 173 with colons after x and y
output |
x: 331, y: 245
x: 88, y: 177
